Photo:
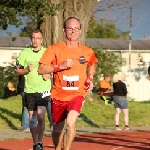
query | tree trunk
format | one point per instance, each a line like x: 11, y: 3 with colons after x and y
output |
x: 53, y: 25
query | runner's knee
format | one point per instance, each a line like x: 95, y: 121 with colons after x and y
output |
x: 33, y: 121
x: 70, y: 125
x: 58, y: 128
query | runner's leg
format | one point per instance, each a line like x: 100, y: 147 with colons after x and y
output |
x: 57, y: 134
x: 33, y: 127
x: 41, y: 122
x: 70, y: 129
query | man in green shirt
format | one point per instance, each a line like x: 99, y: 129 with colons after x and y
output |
x: 37, y: 87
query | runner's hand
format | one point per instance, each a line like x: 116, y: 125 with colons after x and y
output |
x: 67, y: 64
x: 46, y: 76
x: 88, y: 85
x: 30, y: 68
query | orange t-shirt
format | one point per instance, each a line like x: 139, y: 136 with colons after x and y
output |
x: 69, y: 83
x: 105, y: 84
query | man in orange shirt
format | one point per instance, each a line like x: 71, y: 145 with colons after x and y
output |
x: 68, y: 61
x: 104, y: 86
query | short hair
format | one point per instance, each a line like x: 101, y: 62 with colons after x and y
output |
x: 36, y: 31
x: 65, y: 22
x: 106, y: 75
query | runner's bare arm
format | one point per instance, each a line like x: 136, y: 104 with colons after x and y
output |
x: 88, y: 82
x: 23, y: 71
x: 47, y: 69
x: 91, y: 69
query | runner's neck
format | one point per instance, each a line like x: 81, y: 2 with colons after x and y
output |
x: 72, y: 44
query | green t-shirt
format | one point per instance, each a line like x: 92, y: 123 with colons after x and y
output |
x: 33, y: 82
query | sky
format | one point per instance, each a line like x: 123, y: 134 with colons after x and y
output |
x: 122, y: 17
x: 140, y: 20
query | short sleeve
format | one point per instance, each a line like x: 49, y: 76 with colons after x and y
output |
x: 21, y: 58
x: 93, y: 59
x: 48, y: 56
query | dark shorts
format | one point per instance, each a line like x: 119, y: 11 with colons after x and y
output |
x: 35, y: 99
x: 60, y: 109
x: 120, y: 102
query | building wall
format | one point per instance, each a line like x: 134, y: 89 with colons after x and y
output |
x: 7, y: 55
x: 138, y: 84
x: 135, y: 58
x: 137, y: 75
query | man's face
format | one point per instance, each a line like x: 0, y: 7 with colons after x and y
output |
x: 72, y: 30
x: 36, y: 39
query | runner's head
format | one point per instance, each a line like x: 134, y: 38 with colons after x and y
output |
x: 72, y: 29
x: 36, y: 38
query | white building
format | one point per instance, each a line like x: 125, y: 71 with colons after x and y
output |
x: 10, y: 49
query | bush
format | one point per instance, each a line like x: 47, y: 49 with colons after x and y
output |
x: 108, y: 63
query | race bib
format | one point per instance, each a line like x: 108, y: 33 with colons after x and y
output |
x: 70, y: 82
x: 45, y: 93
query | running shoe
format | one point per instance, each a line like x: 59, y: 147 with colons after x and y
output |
x: 38, y: 146
x: 34, y: 147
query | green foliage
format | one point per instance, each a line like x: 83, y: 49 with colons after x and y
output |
x: 108, y: 62
x: 26, y: 31
x: 104, y: 30
x: 11, y: 12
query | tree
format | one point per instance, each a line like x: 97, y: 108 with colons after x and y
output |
x: 11, y: 12
x: 82, y: 9
x: 108, y: 62
x: 52, y: 26
x: 26, y: 31
x: 104, y: 30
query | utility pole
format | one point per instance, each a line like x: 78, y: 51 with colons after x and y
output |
x: 130, y: 37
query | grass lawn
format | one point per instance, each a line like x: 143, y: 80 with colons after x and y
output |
x: 94, y: 113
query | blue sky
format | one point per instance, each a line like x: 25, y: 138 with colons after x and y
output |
x: 141, y: 26
x: 140, y: 21
x: 140, y: 18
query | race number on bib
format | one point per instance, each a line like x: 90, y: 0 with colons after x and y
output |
x: 70, y: 82
x: 45, y: 93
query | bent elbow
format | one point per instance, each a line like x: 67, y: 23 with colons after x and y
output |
x: 40, y: 70
x: 43, y: 69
